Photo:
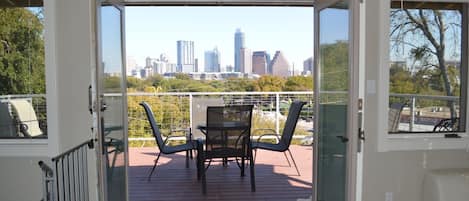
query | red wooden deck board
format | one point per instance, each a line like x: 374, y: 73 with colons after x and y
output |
x: 171, y: 181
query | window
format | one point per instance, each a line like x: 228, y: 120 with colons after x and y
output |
x: 22, y: 70
x: 428, y: 67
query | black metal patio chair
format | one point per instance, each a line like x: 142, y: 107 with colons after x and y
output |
x: 227, y: 135
x: 284, y: 140
x: 162, y: 144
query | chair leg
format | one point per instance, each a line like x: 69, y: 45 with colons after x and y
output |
x: 242, y: 165
x: 154, y: 166
x: 255, y: 154
x: 253, y: 179
x: 294, y: 163
x: 187, y: 158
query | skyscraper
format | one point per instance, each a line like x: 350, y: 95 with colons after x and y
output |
x: 185, y: 56
x: 279, y: 65
x: 239, y: 43
x: 245, y: 58
x: 260, y: 63
x: 212, y: 61
x: 308, y: 66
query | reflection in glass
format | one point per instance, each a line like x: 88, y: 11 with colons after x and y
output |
x: 333, y: 101
x: 22, y: 70
x: 113, y: 116
x: 425, y: 67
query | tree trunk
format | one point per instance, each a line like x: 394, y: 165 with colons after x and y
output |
x: 447, y: 84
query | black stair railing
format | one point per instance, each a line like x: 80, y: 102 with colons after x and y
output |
x: 68, y: 179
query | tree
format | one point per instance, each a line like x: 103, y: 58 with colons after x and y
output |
x: 299, y: 83
x: 427, y: 32
x: 239, y: 84
x: 21, y: 52
x: 334, y: 62
x: 269, y: 83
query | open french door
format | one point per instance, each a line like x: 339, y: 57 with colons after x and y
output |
x: 111, y: 99
x: 336, y: 100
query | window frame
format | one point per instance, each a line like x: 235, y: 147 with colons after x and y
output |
x: 22, y: 147
x: 407, y: 141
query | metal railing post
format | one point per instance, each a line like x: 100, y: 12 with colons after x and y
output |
x: 190, y: 110
x: 412, y: 113
x: 277, y: 112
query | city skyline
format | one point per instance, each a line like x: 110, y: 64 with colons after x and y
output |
x: 153, y: 31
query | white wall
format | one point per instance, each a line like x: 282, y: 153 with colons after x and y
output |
x: 74, y: 58
x: 398, y: 172
x: 20, y: 179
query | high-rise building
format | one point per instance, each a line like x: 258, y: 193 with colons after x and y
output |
x: 185, y: 56
x: 279, y: 65
x: 212, y: 61
x: 196, y: 65
x: 259, y: 63
x: 238, y: 44
x: 245, y: 58
x: 308, y: 66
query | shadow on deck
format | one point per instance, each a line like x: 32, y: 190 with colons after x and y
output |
x: 275, y: 180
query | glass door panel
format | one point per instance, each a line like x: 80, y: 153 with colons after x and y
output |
x: 113, y: 103
x: 333, y: 99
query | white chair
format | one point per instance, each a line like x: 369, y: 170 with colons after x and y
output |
x: 25, y: 114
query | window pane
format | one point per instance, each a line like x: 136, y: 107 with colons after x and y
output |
x: 426, y: 68
x: 22, y: 77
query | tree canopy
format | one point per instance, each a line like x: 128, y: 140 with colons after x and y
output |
x: 21, y: 52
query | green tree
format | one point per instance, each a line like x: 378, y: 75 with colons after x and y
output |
x: 21, y: 52
x: 269, y: 83
x: 239, y: 84
x: 426, y: 32
x: 401, y: 80
x: 334, y: 60
x: 299, y: 83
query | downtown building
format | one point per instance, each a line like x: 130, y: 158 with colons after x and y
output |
x: 239, y: 43
x: 308, y: 66
x: 279, y: 65
x: 260, y: 62
x: 245, y: 61
x: 212, y: 60
x: 185, y: 56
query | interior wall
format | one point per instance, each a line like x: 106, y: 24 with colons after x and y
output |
x: 74, y: 33
x: 74, y: 53
x: 69, y: 32
x: 20, y: 179
x: 395, y: 175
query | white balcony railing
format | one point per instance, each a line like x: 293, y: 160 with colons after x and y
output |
x: 176, y: 109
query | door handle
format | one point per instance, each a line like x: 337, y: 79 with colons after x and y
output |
x: 90, y: 100
x: 342, y: 138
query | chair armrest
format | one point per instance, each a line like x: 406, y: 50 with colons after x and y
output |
x: 264, y: 129
x: 269, y: 134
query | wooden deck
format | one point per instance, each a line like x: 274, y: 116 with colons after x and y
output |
x: 171, y: 181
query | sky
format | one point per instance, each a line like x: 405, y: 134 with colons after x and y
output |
x: 151, y: 31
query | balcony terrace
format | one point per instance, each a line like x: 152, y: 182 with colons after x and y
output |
x: 275, y: 180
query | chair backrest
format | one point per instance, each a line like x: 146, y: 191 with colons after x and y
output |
x: 27, y: 116
x: 154, y: 126
x: 290, y: 124
x: 394, y: 116
x: 7, y: 124
x: 199, y: 113
x: 228, y: 130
